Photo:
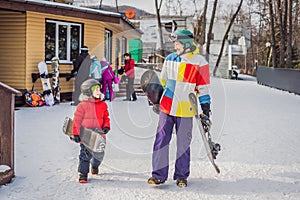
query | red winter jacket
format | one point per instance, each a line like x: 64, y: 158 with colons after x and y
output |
x: 129, y: 68
x: 91, y: 113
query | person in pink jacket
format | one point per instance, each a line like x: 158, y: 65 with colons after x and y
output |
x: 108, y: 77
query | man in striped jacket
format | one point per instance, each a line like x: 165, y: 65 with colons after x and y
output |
x: 183, y: 72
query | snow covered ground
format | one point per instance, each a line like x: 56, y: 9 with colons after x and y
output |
x: 257, y: 126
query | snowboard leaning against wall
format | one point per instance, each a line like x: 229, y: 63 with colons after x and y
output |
x: 55, y: 79
x: 47, y: 92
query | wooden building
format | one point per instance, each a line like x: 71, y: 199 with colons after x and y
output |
x: 32, y: 31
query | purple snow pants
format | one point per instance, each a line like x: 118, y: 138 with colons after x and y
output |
x: 160, y: 156
x: 107, y: 83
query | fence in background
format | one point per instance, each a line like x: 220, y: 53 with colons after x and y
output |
x: 280, y: 78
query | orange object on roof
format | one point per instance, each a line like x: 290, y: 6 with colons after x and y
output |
x: 130, y: 13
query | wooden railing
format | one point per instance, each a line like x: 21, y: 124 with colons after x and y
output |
x: 7, y: 96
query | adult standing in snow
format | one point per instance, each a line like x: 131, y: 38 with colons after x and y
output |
x: 184, y: 71
x: 91, y: 113
x: 81, y: 69
x: 129, y: 71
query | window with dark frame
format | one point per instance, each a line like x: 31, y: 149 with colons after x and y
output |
x: 108, y: 45
x: 62, y: 40
x: 124, y: 48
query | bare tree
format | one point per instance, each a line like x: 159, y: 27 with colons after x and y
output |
x: 251, y: 4
x: 200, y: 25
x: 273, y: 39
x: 281, y: 12
x: 117, y: 7
x: 209, y: 34
x: 100, y: 5
x: 290, y: 34
x: 226, y: 36
x: 296, y: 32
x: 157, y: 8
x: 177, y: 8
x: 281, y: 25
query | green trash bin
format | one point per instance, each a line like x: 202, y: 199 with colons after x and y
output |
x: 136, y: 50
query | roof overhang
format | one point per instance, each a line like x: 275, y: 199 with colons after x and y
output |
x: 60, y: 9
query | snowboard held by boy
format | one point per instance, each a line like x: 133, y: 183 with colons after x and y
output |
x: 91, y: 113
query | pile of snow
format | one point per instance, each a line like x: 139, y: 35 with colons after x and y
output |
x: 4, y: 168
x: 258, y: 128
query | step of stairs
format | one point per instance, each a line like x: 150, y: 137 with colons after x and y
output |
x: 122, y: 90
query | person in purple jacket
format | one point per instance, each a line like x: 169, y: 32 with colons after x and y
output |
x: 107, y: 79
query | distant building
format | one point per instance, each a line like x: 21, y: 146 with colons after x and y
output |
x: 235, y: 47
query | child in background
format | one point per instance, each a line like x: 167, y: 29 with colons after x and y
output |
x: 90, y: 113
x: 95, y: 70
x: 108, y: 77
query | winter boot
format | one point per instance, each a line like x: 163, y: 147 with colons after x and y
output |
x: 155, y: 181
x: 82, y: 178
x: 94, y: 171
x: 181, y: 182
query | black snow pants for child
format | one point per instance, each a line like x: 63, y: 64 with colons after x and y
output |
x: 86, y: 158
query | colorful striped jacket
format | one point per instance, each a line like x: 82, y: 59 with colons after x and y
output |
x: 180, y: 76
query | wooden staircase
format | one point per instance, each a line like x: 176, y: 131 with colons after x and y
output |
x: 122, y: 90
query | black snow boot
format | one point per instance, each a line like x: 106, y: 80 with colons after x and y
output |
x: 94, y: 171
x: 155, y: 181
x: 83, y: 178
x: 181, y: 182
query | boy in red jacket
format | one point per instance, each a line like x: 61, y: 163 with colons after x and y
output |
x: 90, y: 113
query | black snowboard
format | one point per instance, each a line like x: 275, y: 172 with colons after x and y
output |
x: 151, y: 86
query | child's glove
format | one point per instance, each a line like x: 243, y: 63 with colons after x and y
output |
x: 77, y: 138
x: 105, y: 130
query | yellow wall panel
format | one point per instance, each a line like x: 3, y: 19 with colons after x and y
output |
x: 12, y: 51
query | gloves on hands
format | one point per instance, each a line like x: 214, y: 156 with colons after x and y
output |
x: 105, y: 130
x: 77, y: 138
x: 205, y: 116
x: 206, y: 123
x: 205, y: 109
x: 156, y: 108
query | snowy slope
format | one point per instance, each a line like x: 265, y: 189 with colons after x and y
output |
x: 258, y: 128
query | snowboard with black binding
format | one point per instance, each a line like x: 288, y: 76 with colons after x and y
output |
x: 203, y: 123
